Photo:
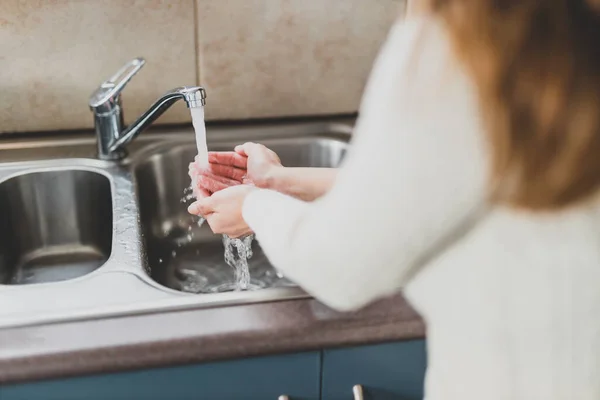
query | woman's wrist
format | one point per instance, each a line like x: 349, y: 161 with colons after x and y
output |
x: 273, y: 178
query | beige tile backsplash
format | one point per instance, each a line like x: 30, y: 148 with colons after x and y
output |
x: 256, y: 58
x: 261, y: 58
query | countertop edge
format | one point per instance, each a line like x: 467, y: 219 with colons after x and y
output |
x: 81, y: 348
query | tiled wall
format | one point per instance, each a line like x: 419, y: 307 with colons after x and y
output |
x: 256, y: 58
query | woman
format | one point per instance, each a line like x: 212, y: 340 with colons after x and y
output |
x: 471, y: 185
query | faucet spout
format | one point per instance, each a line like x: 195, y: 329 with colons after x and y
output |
x: 194, y: 96
x: 105, y: 103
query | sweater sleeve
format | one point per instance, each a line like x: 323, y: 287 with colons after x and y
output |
x: 416, y: 170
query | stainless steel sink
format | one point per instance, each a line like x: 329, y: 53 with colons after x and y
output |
x: 83, y: 238
x: 184, y: 256
x: 56, y: 225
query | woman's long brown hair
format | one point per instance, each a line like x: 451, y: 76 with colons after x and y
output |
x: 536, y: 64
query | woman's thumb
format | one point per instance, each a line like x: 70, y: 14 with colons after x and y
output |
x: 246, y: 148
x: 253, y: 149
x: 201, y: 207
x: 240, y: 149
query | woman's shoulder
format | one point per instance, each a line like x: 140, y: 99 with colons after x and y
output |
x: 418, y: 91
x: 417, y: 67
x: 420, y: 29
x: 422, y: 41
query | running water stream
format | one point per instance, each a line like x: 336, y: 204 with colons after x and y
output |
x: 200, y: 129
x: 237, y: 250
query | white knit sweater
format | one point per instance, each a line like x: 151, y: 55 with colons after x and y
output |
x: 511, y: 300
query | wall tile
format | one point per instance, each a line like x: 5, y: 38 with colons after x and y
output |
x: 53, y: 54
x: 262, y: 58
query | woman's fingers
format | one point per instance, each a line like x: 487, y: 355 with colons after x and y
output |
x: 230, y: 158
x: 221, y: 178
x: 228, y: 171
x: 200, y: 193
x: 225, y: 169
x: 213, y: 183
x: 215, y: 174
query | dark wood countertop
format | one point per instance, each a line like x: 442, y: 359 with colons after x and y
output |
x: 173, y: 338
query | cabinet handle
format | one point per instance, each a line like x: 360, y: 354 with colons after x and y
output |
x: 357, y: 390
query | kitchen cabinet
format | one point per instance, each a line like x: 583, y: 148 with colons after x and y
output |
x: 385, y: 371
x: 389, y: 371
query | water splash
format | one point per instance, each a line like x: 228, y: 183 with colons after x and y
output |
x: 125, y: 207
x: 191, y: 281
x: 188, y: 195
x: 237, y: 253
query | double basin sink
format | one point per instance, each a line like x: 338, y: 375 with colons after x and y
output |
x: 83, y: 238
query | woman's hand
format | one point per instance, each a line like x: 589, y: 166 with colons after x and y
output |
x: 211, y: 180
x: 261, y: 163
x: 250, y: 163
x: 223, y: 210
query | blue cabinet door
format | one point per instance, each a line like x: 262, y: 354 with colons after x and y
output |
x: 385, y: 371
x: 294, y: 375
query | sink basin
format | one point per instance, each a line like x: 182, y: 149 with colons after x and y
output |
x: 82, y: 238
x: 185, y: 256
x: 56, y: 226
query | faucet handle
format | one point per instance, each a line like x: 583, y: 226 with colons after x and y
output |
x: 112, y: 88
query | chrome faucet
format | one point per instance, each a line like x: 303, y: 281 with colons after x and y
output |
x: 105, y: 103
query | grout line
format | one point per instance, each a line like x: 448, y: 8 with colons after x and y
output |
x: 196, y: 43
